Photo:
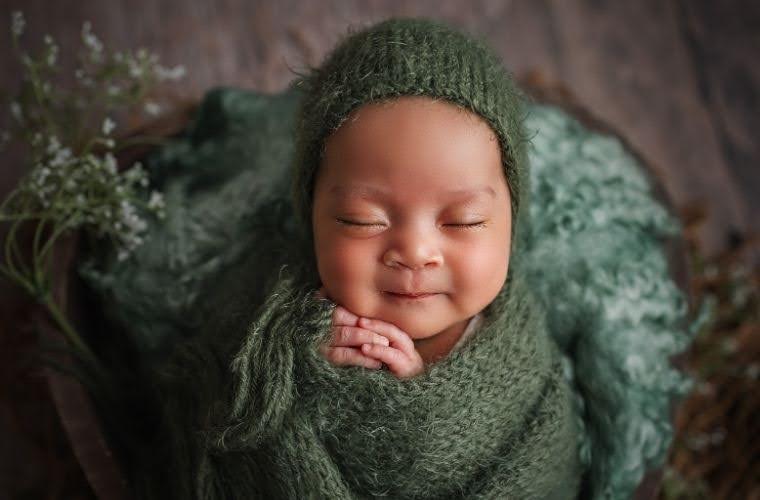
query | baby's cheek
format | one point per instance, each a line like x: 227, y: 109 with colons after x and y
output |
x: 479, y: 274
x: 345, y: 270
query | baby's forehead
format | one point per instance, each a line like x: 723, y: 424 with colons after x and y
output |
x: 355, y: 190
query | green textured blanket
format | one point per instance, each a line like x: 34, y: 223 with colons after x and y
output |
x: 594, y: 261
x: 493, y: 420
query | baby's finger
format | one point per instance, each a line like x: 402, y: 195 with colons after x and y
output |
x: 350, y: 356
x: 398, y: 337
x: 394, y: 358
x: 355, y: 336
x: 342, y: 316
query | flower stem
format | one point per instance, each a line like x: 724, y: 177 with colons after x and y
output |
x: 71, y: 335
x: 11, y: 248
x: 35, y: 250
x: 62, y: 226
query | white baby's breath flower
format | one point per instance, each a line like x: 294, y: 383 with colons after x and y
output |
x: 152, y: 108
x: 134, y: 173
x: 108, y: 126
x: 175, y: 73
x: 62, y: 155
x: 53, y: 145
x: 135, y: 70
x: 27, y: 61
x: 131, y: 221
x: 86, y: 189
x: 109, y: 162
x: 16, y: 110
x: 156, y: 201
x: 17, y: 23
x: 42, y: 174
x: 90, y: 40
x: 52, y: 48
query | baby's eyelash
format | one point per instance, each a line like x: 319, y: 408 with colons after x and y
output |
x: 472, y: 225
x: 361, y: 224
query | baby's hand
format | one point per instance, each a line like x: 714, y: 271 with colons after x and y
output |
x: 401, y: 357
x: 371, y: 342
x: 348, y: 339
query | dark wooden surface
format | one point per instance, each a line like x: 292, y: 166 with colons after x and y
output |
x: 679, y: 79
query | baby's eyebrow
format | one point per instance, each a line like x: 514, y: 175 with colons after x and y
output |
x: 367, y: 191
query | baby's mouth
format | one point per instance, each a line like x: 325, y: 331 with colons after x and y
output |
x: 410, y: 296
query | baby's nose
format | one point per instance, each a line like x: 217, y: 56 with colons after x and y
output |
x: 413, y: 245
x: 412, y: 260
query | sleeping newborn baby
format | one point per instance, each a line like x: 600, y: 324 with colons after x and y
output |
x: 411, y: 224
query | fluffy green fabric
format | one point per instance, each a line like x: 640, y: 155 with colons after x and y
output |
x: 595, y: 261
x: 493, y: 420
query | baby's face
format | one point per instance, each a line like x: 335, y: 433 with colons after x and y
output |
x: 411, y: 198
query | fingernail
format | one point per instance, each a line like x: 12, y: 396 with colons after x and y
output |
x: 366, y: 347
x: 384, y: 341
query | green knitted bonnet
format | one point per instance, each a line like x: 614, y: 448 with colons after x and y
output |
x: 408, y: 56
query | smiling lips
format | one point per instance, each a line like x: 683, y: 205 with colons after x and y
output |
x: 410, y: 296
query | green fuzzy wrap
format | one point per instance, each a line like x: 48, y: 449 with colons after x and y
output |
x: 494, y: 419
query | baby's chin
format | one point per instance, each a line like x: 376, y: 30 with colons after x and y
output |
x: 417, y: 324
x: 415, y: 329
